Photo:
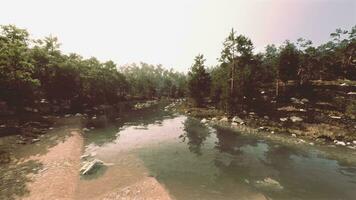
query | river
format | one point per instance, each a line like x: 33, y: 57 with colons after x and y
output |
x: 197, y: 161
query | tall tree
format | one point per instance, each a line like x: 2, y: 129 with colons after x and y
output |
x: 199, y: 81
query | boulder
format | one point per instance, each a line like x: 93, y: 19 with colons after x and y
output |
x: 296, y: 119
x: 234, y: 124
x: 204, y: 121
x: 354, y: 141
x: 294, y: 135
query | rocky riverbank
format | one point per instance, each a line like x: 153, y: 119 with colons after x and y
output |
x: 327, y: 129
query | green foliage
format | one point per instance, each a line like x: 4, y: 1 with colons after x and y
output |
x: 288, y: 62
x: 16, y: 69
x: 34, y: 69
x: 149, y: 81
x: 199, y: 81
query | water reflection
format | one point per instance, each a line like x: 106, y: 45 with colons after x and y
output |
x: 196, y: 133
x: 195, y: 161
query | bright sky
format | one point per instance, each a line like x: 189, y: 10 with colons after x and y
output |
x: 173, y: 32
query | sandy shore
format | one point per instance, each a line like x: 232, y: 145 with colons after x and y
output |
x: 59, y: 176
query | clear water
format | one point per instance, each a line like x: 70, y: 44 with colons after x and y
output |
x: 195, y: 161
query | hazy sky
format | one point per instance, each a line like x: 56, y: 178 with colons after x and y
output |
x: 173, y: 32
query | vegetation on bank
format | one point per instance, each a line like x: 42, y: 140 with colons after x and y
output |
x: 292, y: 80
x: 296, y: 88
x: 237, y: 83
x: 35, y: 71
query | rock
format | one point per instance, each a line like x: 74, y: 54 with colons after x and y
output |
x: 85, y: 156
x: 354, y: 142
x: 296, y: 119
x: 67, y: 115
x: 252, y: 113
x: 262, y: 128
x: 89, y: 166
x: 311, y: 143
x: 224, y: 119
x: 35, y: 140
x: 283, y: 119
x: 92, y: 128
x: 204, y: 121
x: 237, y: 120
x: 266, y: 117
x: 214, y: 119
x: 351, y: 93
x: 78, y: 115
x: 343, y: 84
x: 269, y: 184
x: 94, y: 117
x: 304, y: 100
x: 302, y: 110
x: 341, y: 143
x: 334, y: 117
x: 297, y: 101
x: 294, y: 135
x: 50, y: 128
x: 85, y: 129
x: 234, y: 123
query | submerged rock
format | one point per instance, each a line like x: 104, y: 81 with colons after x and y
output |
x: 90, y: 166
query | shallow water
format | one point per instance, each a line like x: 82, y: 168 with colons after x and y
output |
x: 196, y: 161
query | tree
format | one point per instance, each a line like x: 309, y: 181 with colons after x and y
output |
x: 16, y: 70
x: 288, y: 62
x: 237, y: 52
x: 199, y: 81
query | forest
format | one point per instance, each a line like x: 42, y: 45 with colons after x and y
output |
x: 35, y: 70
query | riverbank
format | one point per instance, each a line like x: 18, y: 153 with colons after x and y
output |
x: 340, y: 131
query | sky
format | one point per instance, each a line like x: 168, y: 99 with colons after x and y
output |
x: 173, y: 32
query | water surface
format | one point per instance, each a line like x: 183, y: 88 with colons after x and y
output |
x: 197, y: 161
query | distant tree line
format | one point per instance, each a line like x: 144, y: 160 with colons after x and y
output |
x: 31, y: 70
x: 237, y: 80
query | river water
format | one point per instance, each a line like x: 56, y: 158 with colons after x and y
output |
x: 196, y: 161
